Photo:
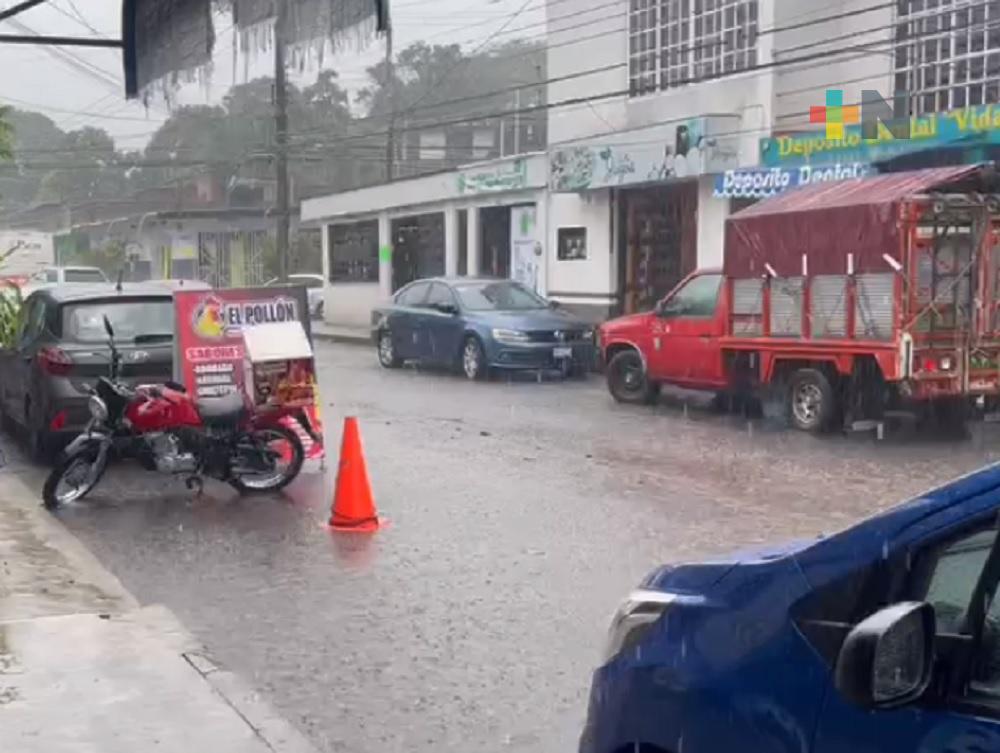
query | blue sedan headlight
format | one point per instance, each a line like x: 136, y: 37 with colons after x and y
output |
x: 510, y: 336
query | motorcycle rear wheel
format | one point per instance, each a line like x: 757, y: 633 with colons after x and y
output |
x: 88, y: 461
x: 287, y: 464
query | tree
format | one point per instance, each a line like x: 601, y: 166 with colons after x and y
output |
x: 89, y: 168
x: 441, y: 84
x: 6, y: 135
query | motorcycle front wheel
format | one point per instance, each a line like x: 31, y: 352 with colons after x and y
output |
x: 266, y: 460
x: 74, y: 476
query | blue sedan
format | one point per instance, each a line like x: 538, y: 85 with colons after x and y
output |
x: 882, y: 639
x: 480, y: 325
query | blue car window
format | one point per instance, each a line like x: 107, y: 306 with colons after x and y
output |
x: 440, y: 294
x: 955, y: 575
x: 501, y: 295
x: 413, y: 295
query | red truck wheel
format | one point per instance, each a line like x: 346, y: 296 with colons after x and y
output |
x: 627, y: 380
x: 811, y: 401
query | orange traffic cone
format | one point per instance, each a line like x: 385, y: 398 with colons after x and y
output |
x: 353, y: 506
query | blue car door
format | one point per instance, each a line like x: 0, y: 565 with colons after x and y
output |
x: 405, y: 320
x: 960, y: 712
x: 444, y: 324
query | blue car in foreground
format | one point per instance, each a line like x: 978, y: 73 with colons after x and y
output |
x: 882, y: 639
x: 478, y: 326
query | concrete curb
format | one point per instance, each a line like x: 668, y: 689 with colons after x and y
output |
x: 117, y: 607
x: 350, y: 338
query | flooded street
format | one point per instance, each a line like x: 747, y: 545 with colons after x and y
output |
x: 519, y: 515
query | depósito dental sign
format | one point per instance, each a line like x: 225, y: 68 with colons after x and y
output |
x: 761, y: 183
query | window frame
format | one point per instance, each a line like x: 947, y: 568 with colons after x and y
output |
x: 416, y: 283
x: 33, y: 323
x: 661, y: 308
x: 428, y: 303
x: 674, y: 43
x: 946, y: 57
x: 961, y: 698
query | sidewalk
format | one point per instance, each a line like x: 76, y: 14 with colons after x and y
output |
x: 84, y: 668
x: 337, y: 333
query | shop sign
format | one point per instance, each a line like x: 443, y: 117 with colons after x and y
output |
x: 210, y: 323
x: 966, y: 127
x: 761, y: 183
x: 511, y: 176
x: 590, y: 166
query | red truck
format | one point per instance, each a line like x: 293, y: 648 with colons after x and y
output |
x: 842, y: 300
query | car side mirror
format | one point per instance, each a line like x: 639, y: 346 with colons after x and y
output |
x: 447, y: 308
x: 886, y: 660
x: 555, y: 305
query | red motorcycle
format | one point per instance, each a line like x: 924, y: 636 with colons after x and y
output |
x: 166, y: 430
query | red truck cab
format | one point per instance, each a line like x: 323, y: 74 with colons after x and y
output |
x: 842, y: 300
x: 679, y: 342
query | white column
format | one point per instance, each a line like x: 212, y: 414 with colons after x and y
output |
x: 712, y: 214
x: 474, y: 242
x: 324, y: 235
x: 451, y: 241
x: 384, y: 255
x: 541, y: 239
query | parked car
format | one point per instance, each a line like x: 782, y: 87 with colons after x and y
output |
x: 314, y: 290
x: 883, y: 638
x: 478, y: 325
x: 61, y: 350
x: 62, y: 275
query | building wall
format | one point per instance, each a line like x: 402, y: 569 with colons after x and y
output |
x: 712, y: 214
x: 416, y: 195
x: 590, y: 280
x: 603, y: 42
x: 29, y: 251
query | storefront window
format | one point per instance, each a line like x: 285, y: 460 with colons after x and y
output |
x: 572, y: 243
x: 676, y: 42
x: 947, y: 54
x: 354, y: 252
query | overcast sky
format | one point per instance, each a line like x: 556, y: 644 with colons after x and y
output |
x: 76, y: 86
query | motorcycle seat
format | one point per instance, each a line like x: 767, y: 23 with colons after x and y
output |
x: 225, y: 409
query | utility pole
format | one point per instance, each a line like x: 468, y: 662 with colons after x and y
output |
x: 390, y: 72
x: 281, y: 143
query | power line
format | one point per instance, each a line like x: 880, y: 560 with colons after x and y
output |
x: 411, y: 109
x: 755, y: 70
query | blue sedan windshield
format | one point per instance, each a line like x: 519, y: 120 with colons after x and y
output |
x: 498, y: 296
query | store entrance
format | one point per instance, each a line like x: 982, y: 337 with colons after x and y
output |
x: 659, y: 239
x: 418, y: 248
x: 494, y: 260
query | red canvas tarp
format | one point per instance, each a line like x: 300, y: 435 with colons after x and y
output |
x: 826, y: 221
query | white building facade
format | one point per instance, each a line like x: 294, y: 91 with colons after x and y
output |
x: 664, y: 117
x: 485, y: 219
x: 651, y: 101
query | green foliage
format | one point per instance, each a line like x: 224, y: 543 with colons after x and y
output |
x: 329, y: 148
x: 10, y: 308
x: 6, y: 135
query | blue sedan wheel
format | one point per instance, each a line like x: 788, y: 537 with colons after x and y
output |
x: 387, y: 351
x: 473, y: 359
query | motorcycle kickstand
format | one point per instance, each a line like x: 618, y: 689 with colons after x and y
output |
x: 196, y: 484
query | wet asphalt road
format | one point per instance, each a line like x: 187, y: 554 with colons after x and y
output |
x: 519, y: 514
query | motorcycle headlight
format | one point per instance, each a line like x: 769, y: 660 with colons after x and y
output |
x: 634, y: 618
x: 510, y: 336
x: 98, y: 408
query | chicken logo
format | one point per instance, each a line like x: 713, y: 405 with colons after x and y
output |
x: 208, y: 318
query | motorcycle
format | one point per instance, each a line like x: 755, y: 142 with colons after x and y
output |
x: 167, y: 431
